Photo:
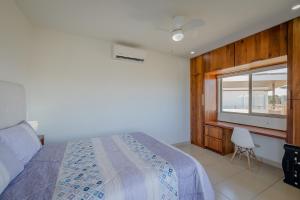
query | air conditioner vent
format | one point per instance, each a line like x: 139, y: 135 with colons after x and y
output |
x: 129, y: 58
x: 121, y: 52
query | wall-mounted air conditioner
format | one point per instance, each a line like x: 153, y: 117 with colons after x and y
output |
x: 121, y: 52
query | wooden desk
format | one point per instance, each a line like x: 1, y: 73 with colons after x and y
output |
x: 253, y: 129
x: 218, y: 139
x: 217, y: 135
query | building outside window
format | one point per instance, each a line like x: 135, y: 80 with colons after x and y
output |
x: 257, y: 92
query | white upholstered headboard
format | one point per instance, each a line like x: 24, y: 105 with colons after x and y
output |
x: 12, y: 104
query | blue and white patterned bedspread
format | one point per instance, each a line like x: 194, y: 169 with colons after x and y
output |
x: 116, y: 167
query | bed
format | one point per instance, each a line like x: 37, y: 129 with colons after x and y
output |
x: 130, y: 166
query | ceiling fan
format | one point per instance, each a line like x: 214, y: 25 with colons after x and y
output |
x: 180, y: 26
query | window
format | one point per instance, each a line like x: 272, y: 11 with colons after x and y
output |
x: 260, y: 92
x: 235, y: 94
x: 269, y: 92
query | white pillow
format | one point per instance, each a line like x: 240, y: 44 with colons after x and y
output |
x: 22, y: 140
x: 10, y: 166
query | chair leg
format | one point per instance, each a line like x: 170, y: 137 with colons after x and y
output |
x: 248, y: 158
x: 236, y: 149
x: 240, y: 152
x: 253, y: 154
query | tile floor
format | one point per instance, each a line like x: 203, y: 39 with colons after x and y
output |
x: 234, y: 181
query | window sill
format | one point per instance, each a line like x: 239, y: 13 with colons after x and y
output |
x: 256, y: 114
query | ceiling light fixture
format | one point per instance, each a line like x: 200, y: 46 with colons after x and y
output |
x: 296, y: 7
x: 192, y: 52
x: 177, y: 35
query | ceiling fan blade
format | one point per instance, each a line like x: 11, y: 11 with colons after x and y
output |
x: 178, y: 22
x: 193, y: 24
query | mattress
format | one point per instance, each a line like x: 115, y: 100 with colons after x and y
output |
x: 131, y: 166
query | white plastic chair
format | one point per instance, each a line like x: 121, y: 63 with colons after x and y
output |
x: 243, y: 142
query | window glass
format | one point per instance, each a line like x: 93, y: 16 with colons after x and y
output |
x: 269, y: 92
x: 235, y: 94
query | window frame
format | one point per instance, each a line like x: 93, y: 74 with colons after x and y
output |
x: 250, y: 74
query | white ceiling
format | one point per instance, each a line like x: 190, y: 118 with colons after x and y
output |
x: 137, y: 22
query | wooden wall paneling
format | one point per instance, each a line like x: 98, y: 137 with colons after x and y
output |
x: 270, y: 43
x: 245, y: 50
x: 195, y: 70
x: 293, y: 117
x: 228, y: 146
x: 206, y: 62
x: 294, y: 58
x: 193, y: 112
x: 289, y: 122
x: 293, y: 124
x: 197, y: 120
x: 210, y: 97
x: 253, y: 65
x: 296, y: 122
x: 278, y: 36
x: 220, y: 58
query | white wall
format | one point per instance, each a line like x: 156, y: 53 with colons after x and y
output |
x: 74, y: 88
x: 15, y: 41
x: 77, y: 90
x: 270, y: 149
x: 261, y: 121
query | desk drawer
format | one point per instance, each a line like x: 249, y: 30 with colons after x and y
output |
x: 213, y: 131
x: 213, y: 143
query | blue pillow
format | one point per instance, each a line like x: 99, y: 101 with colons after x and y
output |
x: 10, y: 166
x: 22, y: 140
